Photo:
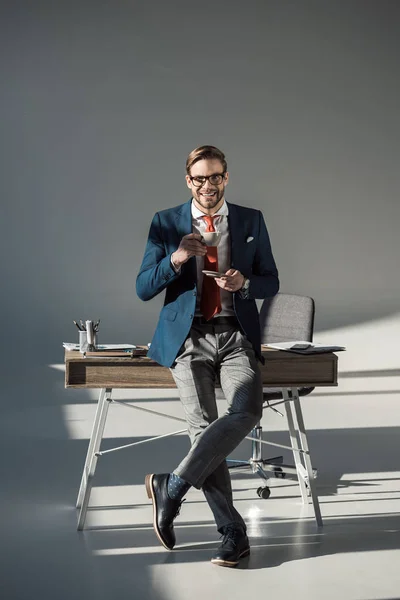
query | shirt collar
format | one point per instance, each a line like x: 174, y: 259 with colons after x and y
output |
x: 198, y: 214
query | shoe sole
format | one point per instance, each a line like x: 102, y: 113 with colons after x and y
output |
x: 151, y: 495
x: 230, y: 563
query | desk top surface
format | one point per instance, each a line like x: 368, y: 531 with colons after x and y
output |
x: 269, y: 354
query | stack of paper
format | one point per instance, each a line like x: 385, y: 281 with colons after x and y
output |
x: 69, y: 346
x: 104, y: 347
x: 303, y: 347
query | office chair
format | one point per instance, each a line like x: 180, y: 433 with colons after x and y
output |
x: 283, y: 318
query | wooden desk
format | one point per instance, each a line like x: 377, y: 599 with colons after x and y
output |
x: 283, y: 370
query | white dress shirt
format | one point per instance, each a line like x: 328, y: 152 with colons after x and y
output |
x: 224, y: 255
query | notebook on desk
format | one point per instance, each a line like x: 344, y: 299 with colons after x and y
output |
x: 105, y: 350
x: 303, y: 347
x: 127, y: 353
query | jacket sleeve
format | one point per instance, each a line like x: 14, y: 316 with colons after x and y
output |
x: 156, y: 271
x: 264, y: 280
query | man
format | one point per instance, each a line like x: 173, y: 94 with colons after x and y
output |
x: 208, y: 332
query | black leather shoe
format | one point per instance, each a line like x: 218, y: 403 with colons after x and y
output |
x: 164, y: 508
x: 235, y: 545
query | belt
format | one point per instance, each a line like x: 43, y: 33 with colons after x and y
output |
x: 232, y: 321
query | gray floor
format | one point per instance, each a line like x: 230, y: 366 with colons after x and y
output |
x: 354, y: 438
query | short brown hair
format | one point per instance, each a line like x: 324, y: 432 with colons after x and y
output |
x: 205, y: 152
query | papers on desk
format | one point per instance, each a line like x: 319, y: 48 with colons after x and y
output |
x: 302, y: 347
x: 102, y: 347
x: 105, y: 349
x: 110, y: 350
x: 70, y: 347
x: 115, y: 347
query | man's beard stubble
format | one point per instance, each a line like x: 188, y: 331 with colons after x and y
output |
x: 212, y: 203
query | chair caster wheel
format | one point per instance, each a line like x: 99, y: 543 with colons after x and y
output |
x: 279, y: 473
x: 263, y: 492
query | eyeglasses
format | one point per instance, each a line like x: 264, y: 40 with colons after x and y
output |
x: 215, y: 179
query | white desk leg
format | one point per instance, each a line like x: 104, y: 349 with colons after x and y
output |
x: 91, y: 458
x: 90, y: 447
x: 295, y: 446
x: 306, y: 456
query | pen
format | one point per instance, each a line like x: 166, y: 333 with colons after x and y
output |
x: 78, y: 326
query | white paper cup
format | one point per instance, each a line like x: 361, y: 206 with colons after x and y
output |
x: 211, y: 238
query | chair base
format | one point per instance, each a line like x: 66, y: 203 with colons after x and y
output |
x: 265, y: 468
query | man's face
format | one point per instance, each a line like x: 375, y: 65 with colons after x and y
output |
x: 208, y: 196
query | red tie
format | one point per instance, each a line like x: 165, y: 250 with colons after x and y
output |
x: 210, y: 303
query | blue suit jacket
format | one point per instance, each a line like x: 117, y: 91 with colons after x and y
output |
x: 253, y: 259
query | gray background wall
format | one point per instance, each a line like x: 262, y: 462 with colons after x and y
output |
x: 101, y: 103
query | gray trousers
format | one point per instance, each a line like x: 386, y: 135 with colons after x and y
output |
x: 212, y: 353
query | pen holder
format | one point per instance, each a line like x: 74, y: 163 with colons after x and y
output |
x: 83, y: 341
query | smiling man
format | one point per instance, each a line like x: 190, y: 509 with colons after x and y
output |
x: 208, y: 333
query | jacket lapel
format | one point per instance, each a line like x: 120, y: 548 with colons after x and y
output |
x: 183, y: 219
x: 235, y: 231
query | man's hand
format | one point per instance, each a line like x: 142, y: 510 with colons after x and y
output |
x: 191, y: 245
x: 232, y: 281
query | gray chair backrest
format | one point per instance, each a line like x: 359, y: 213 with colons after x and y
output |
x: 287, y: 317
